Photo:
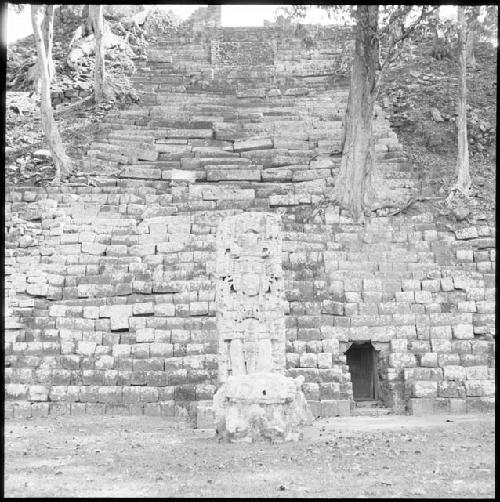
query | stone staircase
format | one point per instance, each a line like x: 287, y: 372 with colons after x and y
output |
x: 286, y: 143
x: 110, y: 296
x: 371, y: 409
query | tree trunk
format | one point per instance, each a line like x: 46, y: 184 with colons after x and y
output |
x: 354, y: 181
x: 34, y: 73
x: 49, y: 126
x: 463, y: 176
x: 96, y: 12
x: 49, y: 34
x: 441, y: 47
x: 88, y: 26
x: 473, y: 36
x: 435, y: 36
x: 471, y: 47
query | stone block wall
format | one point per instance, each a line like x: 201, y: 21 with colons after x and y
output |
x: 110, y: 288
x: 262, y: 60
x: 116, y: 313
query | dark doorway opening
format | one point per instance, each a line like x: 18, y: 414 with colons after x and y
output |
x: 362, y: 361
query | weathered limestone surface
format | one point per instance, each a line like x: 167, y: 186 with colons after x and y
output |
x: 110, y: 289
x: 256, y: 400
x: 261, y: 406
x: 249, y: 295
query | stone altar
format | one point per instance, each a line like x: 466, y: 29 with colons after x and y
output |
x: 255, y: 399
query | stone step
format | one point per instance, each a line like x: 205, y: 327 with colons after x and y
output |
x: 161, y: 81
x: 109, y: 156
x: 205, y: 415
x: 290, y: 129
x: 376, y: 412
x: 370, y: 410
x: 96, y: 166
x: 136, y: 133
x: 121, y: 121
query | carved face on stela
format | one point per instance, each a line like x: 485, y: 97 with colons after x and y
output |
x: 251, y: 271
x: 249, y: 276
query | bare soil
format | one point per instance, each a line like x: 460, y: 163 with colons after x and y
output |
x: 388, y: 456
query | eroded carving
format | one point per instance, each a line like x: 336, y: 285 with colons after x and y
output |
x: 249, y: 296
x: 256, y: 400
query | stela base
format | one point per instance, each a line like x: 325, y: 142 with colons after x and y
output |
x: 261, y: 406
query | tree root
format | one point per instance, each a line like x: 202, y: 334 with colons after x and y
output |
x: 320, y: 208
x: 454, y: 190
x: 403, y: 208
x: 407, y: 204
x: 71, y: 106
x: 59, y: 178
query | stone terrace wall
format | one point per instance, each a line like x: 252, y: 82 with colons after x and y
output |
x: 110, y: 288
x: 272, y: 57
x: 256, y: 61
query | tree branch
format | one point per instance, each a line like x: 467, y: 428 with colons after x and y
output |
x: 394, y: 53
x: 406, y: 33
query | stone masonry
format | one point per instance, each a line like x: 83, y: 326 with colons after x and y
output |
x: 110, y: 289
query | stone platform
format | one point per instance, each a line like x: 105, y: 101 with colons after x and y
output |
x: 265, y: 406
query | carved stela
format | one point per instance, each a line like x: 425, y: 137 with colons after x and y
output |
x: 255, y: 399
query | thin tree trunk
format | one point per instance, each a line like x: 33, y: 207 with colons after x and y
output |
x: 471, y: 48
x: 49, y: 20
x: 441, y: 46
x: 435, y: 37
x: 49, y: 126
x: 87, y: 21
x: 48, y: 36
x: 96, y: 12
x: 473, y: 36
x: 355, y: 177
x: 462, y: 168
x: 436, y: 41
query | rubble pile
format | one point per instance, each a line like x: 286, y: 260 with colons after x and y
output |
x: 128, y: 37
x: 23, y: 134
x: 420, y: 92
x: 27, y: 161
x: 125, y: 38
x: 21, y: 55
x: 158, y: 22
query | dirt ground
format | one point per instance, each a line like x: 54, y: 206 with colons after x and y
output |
x: 388, y: 456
